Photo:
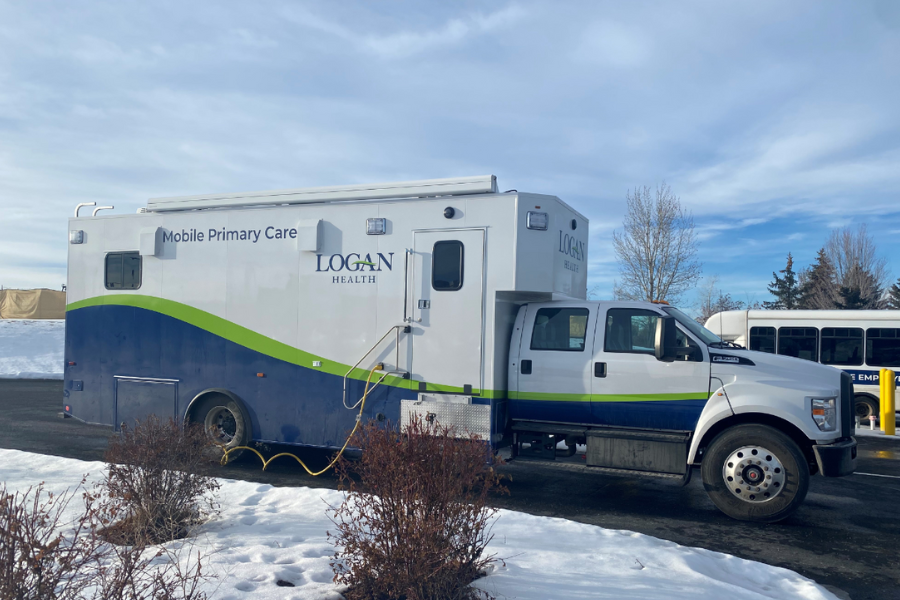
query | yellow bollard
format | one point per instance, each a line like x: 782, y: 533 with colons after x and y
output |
x: 882, y: 397
x: 890, y: 405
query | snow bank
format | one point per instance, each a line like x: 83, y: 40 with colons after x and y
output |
x: 265, y: 534
x: 32, y: 349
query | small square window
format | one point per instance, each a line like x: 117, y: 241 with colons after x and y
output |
x: 123, y: 271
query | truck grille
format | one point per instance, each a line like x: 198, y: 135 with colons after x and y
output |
x: 847, y: 408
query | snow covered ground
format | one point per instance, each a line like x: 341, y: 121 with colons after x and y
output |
x: 32, y: 349
x: 264, y: 534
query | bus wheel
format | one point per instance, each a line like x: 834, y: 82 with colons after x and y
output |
x: 755, y: 473
x: 225, y: 422
x: 865, y: 407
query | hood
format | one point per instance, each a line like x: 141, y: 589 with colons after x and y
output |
x: 773, y: 369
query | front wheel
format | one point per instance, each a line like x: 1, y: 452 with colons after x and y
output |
x: 755, y: 473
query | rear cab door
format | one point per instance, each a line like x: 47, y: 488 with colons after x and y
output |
x: 552, y: 376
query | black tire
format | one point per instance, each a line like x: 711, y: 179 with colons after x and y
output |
x: 865, y: 406
x: 226, y: 422
x: 762, y: 453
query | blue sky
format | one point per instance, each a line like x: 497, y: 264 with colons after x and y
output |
x: 774, y: 122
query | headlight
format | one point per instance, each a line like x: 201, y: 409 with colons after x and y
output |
x: 824, y: 413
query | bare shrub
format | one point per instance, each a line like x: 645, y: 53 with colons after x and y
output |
x: 155, y: 474
x: 48, y: 552
x: 38, y: 560
x: 415, y: 521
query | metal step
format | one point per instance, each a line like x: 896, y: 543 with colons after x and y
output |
x: 580, y: 468
x: 536, y: 427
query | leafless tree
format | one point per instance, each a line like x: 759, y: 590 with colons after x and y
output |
x: 711, y: 300
x: 856, y: 264
x: 657, y: 249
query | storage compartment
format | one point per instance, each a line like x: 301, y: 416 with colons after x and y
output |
x: 138, y: 398
x: 655, y: 452
x: 464, y: 418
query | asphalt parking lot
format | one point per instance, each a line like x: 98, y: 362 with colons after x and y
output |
x: 846, y: 536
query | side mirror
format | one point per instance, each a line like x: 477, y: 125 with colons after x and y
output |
x: 664, y: 343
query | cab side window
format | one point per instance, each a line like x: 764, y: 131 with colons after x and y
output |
x: 560, y: 329
x: 630, y: 330
x: 683, y: 340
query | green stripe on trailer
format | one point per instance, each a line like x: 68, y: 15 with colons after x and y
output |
x: 237, y: 334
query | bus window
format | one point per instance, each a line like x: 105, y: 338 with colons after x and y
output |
x: 842, y: 346
x: 883, y: 347
x: 802, y: 342
x: 762, y: 339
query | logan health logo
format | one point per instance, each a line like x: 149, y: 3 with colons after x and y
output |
x: 573, y: 249
x: 361, y: 267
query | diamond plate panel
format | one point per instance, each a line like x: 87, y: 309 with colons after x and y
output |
x: 464, y: 418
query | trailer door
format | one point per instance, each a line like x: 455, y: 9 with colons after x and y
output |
x: 448, y: 310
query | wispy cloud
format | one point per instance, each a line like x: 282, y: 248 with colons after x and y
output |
x: 771, y: 134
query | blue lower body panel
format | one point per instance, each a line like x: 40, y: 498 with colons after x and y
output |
x: 290, y: 404
x: 680, y: 415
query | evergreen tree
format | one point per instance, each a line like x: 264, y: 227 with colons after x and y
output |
x: 818, y: 288
x: 861, y: 293
x: 785, y: 289
x: 893, y: 298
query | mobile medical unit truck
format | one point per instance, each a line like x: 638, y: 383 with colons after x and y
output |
x: 263, y: 315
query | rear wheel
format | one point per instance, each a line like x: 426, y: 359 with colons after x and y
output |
x: 865, y: 407
x: 225, y: 422
x: 755, y: 473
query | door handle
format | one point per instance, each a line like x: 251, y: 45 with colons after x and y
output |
x: 599, y: 369
x: 525, y: 367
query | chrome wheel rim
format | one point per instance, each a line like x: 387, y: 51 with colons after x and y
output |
x: 221, y: 425
x: 754, y: 474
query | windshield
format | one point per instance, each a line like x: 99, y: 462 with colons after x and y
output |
x: 705, y: 335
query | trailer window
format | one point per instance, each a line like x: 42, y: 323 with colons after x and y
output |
x: 630, y: 330
x: 762, y: 339
x: 883, y: 347
x: 801, y: 342
x: 560, y: 329
x: 123, y: 270
x: 842, y: 346
x: 447, y: 266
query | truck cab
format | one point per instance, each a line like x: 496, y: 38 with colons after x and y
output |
x: 651, y: 392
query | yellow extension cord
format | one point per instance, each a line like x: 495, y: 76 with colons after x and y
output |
x: 265, y: 462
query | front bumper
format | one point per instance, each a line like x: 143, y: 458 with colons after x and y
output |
x: 836, y: 459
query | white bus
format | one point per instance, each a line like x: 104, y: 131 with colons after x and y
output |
x: 860, y: 342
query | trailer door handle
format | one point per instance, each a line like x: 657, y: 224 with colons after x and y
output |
x: 525, y: 367
x: 599, y: 369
